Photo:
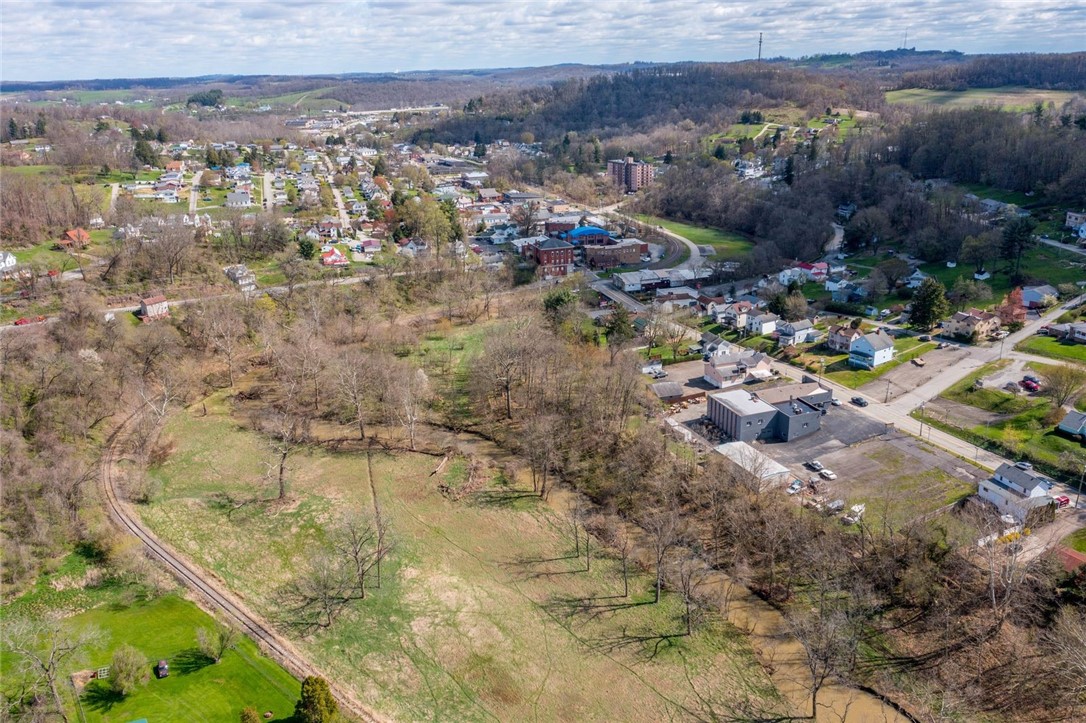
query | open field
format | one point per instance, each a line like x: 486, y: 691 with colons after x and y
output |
x: 1042, y: 264
x: 160, y: 627
x: 728, y: 245
x: 483, y: 611
x: 1007, y: 97
x: 1054, y: 348
x: 1076, y: 540
x: 988, y: 397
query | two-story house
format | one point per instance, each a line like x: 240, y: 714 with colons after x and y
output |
x: 972, y: 324
x: 727, y: 370
x: 735, y: 315
x: 871, y: 350
x: 841, y: 337
x: 762, y: 324
x: 1016, y: 490
x: 796, y: 332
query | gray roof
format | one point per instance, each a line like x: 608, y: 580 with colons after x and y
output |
x: 879, y: 340
x: 1027, y: 479
x: 1043, y: 290
x: 667, y: 390
x: 742, y: 403
x: 800, y: 325
x: 553, y: 243
x: 1073, y: 420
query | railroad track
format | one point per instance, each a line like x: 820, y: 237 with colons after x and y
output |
x: 208, y: 591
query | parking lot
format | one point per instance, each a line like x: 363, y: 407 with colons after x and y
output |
x: 908, y: 376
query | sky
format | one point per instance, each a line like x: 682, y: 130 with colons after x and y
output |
x: 76, y: 39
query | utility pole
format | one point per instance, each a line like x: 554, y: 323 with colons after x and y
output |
x: 759, y: 47
x: 887, y: 399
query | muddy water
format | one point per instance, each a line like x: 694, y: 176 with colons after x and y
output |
x: 779, y: 652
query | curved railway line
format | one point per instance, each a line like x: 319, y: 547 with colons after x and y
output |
x: 209, y: 592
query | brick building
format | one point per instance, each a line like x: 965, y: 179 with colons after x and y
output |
x: 630, y: 173
x: 553, y: 256
x: 627, y: 252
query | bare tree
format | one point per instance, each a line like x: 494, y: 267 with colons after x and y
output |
x: 355, y: 379
x: 827, y: 639
x: 619, y: 538
x: 1067, y: 644
x: 44, y: 649
x: 409, y: 396
x: 664, y: 528
x: 690, y: 574
x: 356, y: 540
x: 320, y: 591
x: 1063, y: 382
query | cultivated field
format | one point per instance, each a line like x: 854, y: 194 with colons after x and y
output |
x: 484, y: 610
x: 1008, y: 97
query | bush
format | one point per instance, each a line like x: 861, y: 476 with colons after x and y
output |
x: 130, y: 669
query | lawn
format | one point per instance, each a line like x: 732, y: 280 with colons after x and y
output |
x: 905, y: 350
x: 484, y: 610
x: 728, y: 245
x: 1054, y: 348
x: 1007, y: 97
x: 1076, y: 540
x: 1042, y: 264
x: 160, y: 627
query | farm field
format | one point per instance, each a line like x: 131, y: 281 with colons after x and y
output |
x: 728, y: 246
x: 161, y: 626
x: 484, y: 610
x: 1007, y: 97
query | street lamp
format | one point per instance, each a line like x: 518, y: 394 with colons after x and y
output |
x: 821, y: 369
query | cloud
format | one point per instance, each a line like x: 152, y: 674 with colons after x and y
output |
x: 70, y: 39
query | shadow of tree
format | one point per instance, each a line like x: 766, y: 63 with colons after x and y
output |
x: 99, y: 696
x: 189, y: 661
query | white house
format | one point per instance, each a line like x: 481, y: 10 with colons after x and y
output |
x: 7, y: 262
x: 728, y: 370
x: 914, y: 280
x: 735, y: 315
x: 871, y: 350
x: 762, y: 324
x: 240, y: 199
x: 796, y: 332
x: 1016, y: 490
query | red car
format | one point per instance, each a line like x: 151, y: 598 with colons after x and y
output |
x: 1062, y: 501
x: 21, y: 321
x: 1027, y: 384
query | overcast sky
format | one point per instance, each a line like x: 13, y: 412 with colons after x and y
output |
x: 71, y: 39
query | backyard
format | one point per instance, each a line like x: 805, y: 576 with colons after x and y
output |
x: 1054, y: 348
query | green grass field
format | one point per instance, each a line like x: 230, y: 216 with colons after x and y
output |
x: 1054, y: 348
x: 160, y: 627
x: 986, y: 398
x: 1007, y: 97
x: 483, y: 612
x: 729, y: 246
x: 1076, y: 540
x: 1042, y: 264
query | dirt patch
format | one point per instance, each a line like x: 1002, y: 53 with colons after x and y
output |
x: 908, y: 376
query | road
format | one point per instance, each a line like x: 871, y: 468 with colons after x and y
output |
x: 114, y: 191
x: 344, y: 219
x: 694, y: 261
x: 194, y: 192
x: 210, y: 593
x: 267, y: 178
x: 1066, y: 247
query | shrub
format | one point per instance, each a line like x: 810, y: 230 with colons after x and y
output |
x: 130, y: 669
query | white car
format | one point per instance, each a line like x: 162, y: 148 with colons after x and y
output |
x: 815, y: 465
x: 795, y: 487
x: 827, y: 474
x: 835, y: 402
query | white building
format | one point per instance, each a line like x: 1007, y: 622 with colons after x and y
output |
x: 1016, y: 490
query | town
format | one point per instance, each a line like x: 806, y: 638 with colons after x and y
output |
x: 310, y: 407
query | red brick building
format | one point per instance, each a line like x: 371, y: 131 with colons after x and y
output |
x: 630, y: 173
x: 553, y: 256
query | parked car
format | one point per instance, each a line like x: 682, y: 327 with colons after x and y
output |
x: 859, y: 401
x: 835, y: 402
x: 659, y: 374
x: 827, y: 474
x: 21, y: 321
x: 919, y: 361
x: 815, y: 465
x: 1028, y: 385
x: 795, y: 487
x: 924, y: 337
x: 1031, y: 378
x: 942, y: 345
x: 1061, y: 501
x: 1003, y: 334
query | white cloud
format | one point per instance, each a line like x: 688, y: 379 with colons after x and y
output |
x: 68, y: 39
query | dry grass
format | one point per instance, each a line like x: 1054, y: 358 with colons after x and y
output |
x: 484, y: 611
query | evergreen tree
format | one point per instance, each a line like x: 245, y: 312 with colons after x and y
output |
x: 480, y: 150
x: 316, y: 704
x: 160, y: 136
x: 1017, y: 237
x: 306, y: 248
x: 668, y: 158
x: 39, y: 126
x: 144, y: 153
x: 380, y: 167
x: 929, y: 304
x: 13, y: 129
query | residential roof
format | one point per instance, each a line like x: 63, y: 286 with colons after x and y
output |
x: 1073, y: 420
x: 151, y: 300
x: 879, y: 340
x: 1042, y: 289
x: 800, y: 325
x: 667, y: 390
x: 1027, y: 479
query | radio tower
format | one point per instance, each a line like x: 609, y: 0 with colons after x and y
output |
x: 759, y: 47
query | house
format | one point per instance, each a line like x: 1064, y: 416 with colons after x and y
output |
x: 1075, y: 333
x: 1075, y: 219
x: 1016, y: 490
x: 871, y: 350
x: 242, y: 277
x: 413, y: 247
x: 7, y: 262
x: 762, y: 324
x: 154, y: 307
x: 842, y: 337
x: 972, y: 324
x: 796, y: 332
x: 239, y: 199
x: 334, y: 258
x: 731, y: 369
x: 1039, y: 297
x: 914, y: 279
x: 1073, y: 423
x: 75, y: 238
x: 817, y: 271
x: 735, y: 315
x: 783, y: 413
